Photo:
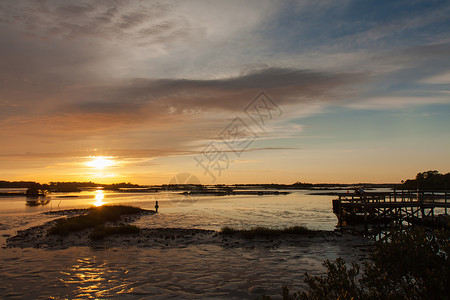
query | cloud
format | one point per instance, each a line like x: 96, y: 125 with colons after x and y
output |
x: 124, y: 154
x: 289, y: 86
x: 443, y: 78
x: 143, y: 99
x: 179, y: 116
x: 105, y: 20
x: 397, y: 102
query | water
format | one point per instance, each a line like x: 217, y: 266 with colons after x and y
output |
x: 196, y: 271
x: 207, y: 212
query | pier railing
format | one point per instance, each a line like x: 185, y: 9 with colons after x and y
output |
x: 400, y: 206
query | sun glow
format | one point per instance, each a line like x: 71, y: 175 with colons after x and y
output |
x: 99, y: 196
x: 100, y: 162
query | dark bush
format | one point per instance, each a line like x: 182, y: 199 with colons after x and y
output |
x: 413, y: 264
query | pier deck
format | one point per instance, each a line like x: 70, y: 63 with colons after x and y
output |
x: 412, y: 207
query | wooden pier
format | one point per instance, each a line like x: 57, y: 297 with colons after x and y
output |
x: 403, y: 207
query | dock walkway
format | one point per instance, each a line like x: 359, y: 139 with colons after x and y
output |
x: 412, y: 207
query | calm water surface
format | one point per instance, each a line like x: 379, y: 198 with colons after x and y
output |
x: 197, y: 271
x: 209, y: 212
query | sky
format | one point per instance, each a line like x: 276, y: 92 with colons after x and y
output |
x: 228, y: 91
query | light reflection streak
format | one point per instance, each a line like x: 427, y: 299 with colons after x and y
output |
x: 99, y: 196
x: 94, y: 279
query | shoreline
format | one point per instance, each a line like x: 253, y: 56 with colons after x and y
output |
x: 169, y: 237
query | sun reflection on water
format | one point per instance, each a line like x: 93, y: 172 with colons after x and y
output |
x: 94, y: 279
x: 99, y: 196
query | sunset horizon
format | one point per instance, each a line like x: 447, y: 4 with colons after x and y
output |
x: 286, y: 91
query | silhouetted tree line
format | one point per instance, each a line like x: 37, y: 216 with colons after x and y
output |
x: 299, y: 184
x: 76, y: 186
x: 16, y: 184
x: 429, y: 180
x: 33, y: 187
x: 122, y: 185
x: 183, y: 187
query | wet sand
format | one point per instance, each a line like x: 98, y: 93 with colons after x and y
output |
x: 202, y: 271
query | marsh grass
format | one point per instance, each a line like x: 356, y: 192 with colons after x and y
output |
x: 101, y: 232
x: 97, y: 216
x: 265, y: 231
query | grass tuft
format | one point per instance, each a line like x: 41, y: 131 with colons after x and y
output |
x: 101, y: 232
x: 97, y: 216
x: 265, y: 231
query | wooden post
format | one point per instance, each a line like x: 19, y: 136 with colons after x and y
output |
x: 365, y: 212
x: 156, y: 206
x: 420, y: 198
x: 339, y: 212
x: 395, y: 195
x: 432, y: 209
x: 445, y: 200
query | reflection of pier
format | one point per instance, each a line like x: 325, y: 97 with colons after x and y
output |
x: 37, y: 202
x: 403, y: 207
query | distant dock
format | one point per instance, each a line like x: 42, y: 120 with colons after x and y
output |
x: 405, y: 206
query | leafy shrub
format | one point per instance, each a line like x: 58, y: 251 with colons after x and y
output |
x: 411, y: 265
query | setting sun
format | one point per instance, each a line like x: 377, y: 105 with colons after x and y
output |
x: 100, y: 162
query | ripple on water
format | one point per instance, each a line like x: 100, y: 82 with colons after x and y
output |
x: 196, y: 271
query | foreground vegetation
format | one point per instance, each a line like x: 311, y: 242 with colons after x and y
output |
x: 264, y: 231
x: 414, y: 264
x: 96, y: 218
x: 101, y: 232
